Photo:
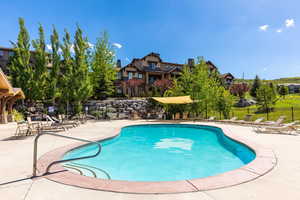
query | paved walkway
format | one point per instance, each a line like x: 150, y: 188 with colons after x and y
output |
x: 283, y: 182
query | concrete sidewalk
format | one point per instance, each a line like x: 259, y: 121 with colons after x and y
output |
x: 283, y: 182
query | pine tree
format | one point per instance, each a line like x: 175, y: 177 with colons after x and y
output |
x: 283, y: 90
x: 103, y: 68
x: 21, y: 69
x: 81, y: 84
x: 266, y: 98
x: 256, y: 84
x: 40, y: 73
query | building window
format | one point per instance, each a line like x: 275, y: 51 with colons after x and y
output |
x: 152, y: 65
x: 1, y: 53
x: 119, y: 75
x: 129, y: 75
x: 140, y: 75
x: 11, y: 53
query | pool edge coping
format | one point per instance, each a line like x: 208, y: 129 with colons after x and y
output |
x: 263, y: 163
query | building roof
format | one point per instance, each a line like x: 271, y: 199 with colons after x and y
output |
x: 5, y: 84
x: 157, y: 55
x: 6, y: 88
x: 165, y: 66
x: 227, y: 75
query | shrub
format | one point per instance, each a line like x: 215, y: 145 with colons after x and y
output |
x: 18, y: 116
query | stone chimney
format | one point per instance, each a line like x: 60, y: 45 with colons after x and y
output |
x: 191, y: 62
x: 119, y: 65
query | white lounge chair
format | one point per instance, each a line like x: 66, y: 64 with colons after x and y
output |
x: 212, y: 118
x: 233, y: 119
x: 278, y: 122
x: 288, y: 129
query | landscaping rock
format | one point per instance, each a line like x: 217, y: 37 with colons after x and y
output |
x: 245, y: 103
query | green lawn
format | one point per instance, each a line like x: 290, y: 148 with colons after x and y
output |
x: 282, y: 107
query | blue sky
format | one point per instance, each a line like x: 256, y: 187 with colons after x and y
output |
x: 239, y: 36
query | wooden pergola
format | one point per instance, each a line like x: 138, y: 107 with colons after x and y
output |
x: 8, y: 96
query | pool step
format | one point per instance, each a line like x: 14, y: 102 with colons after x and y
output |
x: 87, y: 170
x: 83, y: 170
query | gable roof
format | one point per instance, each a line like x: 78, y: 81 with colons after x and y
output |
x: 157, y: 55
x: 227, y: 75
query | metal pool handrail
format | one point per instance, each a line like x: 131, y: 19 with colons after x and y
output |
x: 60, y: 161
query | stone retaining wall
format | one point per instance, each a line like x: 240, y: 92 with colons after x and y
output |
x: 119, y: 109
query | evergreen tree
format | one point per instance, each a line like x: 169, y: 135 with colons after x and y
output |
x: 40, y: 72
x: 256, y: 84
x: 103, y: 68
x: 54, y: 75
x: 81, y: 84
x: 21, y: 69
x: 283, y: 90
x: 271, y: 85
x: 266, y: 98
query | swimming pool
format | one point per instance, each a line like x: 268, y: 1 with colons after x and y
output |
x: 163, y: 152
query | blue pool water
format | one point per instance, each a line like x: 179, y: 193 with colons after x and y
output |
x: 164, y: 152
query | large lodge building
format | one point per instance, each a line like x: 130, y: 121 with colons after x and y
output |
x: 136, y: 78
x: 150, y: 68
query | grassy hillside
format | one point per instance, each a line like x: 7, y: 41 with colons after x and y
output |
x: 282, y: 107
x: 275, y: 81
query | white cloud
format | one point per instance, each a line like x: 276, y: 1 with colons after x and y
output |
x: 127, y: 59
x: 279, y: 30
x: 49, y: 47
x: 112, y: 53
x: 91, y: 45
x: 119, y: 46
x: 289, y: 23
x: 72, y: 48
x: 264, y: 27
x: 265, y: 69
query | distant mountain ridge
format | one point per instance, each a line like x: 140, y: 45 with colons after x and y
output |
x: 275, y: 81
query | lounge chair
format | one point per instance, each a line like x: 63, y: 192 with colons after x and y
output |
x: 278, y: 122
x: 63, y: 121
x: 53, y: 125
x: 232, y: 120
x: 212, y: 118
x: 28, y: 128
x: 176, y: 116
x: 256, y: 122
x: 22, y: 129
x: 247, y: 118
x: 185, y: 116
x: 288, y: 129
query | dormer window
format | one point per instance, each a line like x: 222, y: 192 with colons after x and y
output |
x: 152, y: 65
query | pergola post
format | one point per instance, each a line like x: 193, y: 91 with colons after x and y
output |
x: 3, y: 111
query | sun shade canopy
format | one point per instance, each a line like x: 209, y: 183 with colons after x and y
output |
x: 174, y: 100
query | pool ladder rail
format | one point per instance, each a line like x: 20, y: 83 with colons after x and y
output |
x: 34, y: 173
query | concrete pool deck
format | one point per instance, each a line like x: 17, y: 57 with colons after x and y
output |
x: 283, y: 182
